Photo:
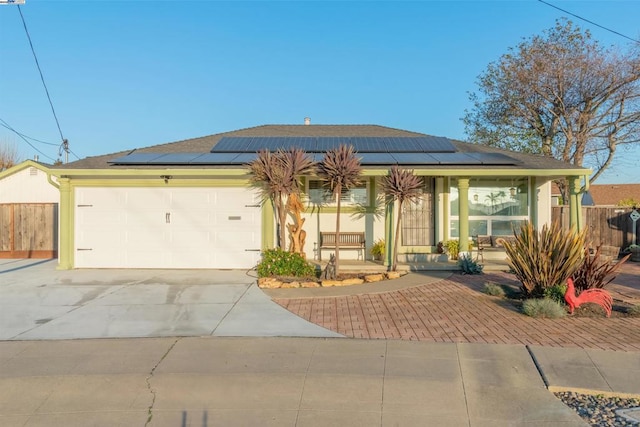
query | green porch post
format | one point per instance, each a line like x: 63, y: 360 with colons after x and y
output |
x: 268, y: 231
x: 575, y: 204
x: 65, y: 257
x: 463, y: 213
x: 388, y: 232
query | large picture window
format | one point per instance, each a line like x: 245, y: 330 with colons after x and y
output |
x: 319, y: 195
x: 496, y: 206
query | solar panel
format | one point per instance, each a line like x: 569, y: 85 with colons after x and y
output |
x: 436, y: 144
x: 376, y: 159
x: 174, y: 159
x: 455, y: 159
x: 402, y: 145
x: 244, y: 158
x: 232, y: 144
x: 214, y: 159
x: 494, y: 159
x: 415, y: 159
x: 369, y: 145
x: 329, y: 143
x: 136, y: 159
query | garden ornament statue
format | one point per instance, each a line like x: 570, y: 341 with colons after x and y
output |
x: 596, y: 296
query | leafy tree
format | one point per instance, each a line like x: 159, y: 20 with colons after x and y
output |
x: 629, y: 202
x: 560, y: 94
x: 340, y: 170
x: 400, y: 185
x: 276, y: 176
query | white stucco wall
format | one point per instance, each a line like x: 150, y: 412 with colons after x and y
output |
x: 28, y: 185
x: 315, y: 222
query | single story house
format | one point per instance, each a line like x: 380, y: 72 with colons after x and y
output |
x: 188, y: 204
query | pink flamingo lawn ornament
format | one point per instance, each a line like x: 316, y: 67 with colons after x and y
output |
x: 596, y: 296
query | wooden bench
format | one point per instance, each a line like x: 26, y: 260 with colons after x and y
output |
x: 348, y: 240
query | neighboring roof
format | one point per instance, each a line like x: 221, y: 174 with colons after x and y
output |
x: 206, y: 143
x: 611, y: 194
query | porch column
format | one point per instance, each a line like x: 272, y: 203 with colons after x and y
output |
x: 388, y: 233
x: 575, y: 203
x: 65, y: 257
x: 463, y: 213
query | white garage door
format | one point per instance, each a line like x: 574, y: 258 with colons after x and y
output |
x: 166, y: 228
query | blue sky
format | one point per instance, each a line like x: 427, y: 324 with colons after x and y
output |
x: 128, y: 74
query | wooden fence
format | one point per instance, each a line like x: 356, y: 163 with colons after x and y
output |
x: 606, y: 225
x: 29, y: 230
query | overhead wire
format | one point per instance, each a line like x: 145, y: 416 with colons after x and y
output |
x: 65, y: 144
x: 6, y: 125
x: 27, y: 141
x: 589, y: 21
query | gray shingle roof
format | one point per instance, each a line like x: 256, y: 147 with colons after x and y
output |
x: 205, y: 143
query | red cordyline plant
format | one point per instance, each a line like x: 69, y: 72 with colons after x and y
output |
x: 401, y: 186
x: 340, y: 170
x: 276, y: 176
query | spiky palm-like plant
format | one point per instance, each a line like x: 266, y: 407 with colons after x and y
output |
x: 401, y: 186
x: 340, y: 170
x: 542, y: 260
x: 276, y: 176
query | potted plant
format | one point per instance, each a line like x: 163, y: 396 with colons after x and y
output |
x: 377, y: 250
x: 635, y: 252
x: 453, y: 248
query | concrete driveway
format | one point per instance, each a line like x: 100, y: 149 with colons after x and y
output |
x: 38, y: 302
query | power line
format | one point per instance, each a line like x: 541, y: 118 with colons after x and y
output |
x: 6, y: 125
x: 27, y: 141
x: 590, y: 22
x: 65, y: 143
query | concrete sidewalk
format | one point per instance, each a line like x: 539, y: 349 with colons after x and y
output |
x: 292, y: 382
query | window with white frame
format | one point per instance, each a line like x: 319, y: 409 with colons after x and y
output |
x: 496, y: 206
x: 318, y: 194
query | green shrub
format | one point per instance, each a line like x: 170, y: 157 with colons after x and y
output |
x: 634, y: 310
x: 493, y: 289
x: 276, y: 262
x: 377, y: 250
x: 453, y: 248
x: 556, y: 293
x: 543, y: 307
x: 468, y: 265
x: 541, y: 260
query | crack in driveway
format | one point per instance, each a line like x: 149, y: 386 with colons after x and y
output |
x: 148, y: 380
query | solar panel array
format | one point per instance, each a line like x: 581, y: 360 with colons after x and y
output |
x: 421, y: 144
x: 372, y: 151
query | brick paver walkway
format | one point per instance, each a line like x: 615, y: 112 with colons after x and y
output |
x: 454, y: 310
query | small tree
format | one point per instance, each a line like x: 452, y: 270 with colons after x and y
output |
x: 340, y: 170
x: 400, y: 185
x: 276, y: 176
x: 8, y: 156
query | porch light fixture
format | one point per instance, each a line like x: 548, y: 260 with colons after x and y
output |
x: 475, y: 198
x: 512, y: 191
x: 166, y: 178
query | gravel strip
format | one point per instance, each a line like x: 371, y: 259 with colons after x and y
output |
x: 599, y: 411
